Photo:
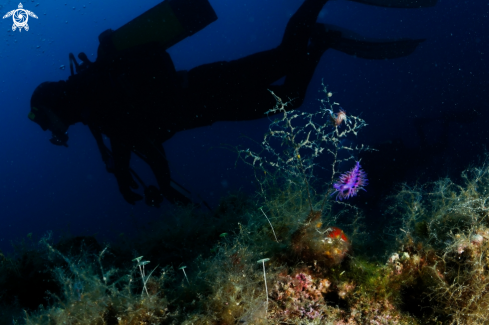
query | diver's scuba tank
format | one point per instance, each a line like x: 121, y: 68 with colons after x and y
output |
x: 167, y: 23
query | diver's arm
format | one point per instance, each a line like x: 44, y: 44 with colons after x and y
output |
x: 154, y: 155
x: 102, y: 148
x: 122, y: 155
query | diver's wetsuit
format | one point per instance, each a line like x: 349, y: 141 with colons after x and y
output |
x: 137, y: 99
x: 140, y: 101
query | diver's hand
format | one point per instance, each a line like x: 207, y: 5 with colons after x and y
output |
x: 130, y: 196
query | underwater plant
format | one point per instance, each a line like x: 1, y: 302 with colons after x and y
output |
x: 144, y: 277
x: 262, y: 261
x: 436, y: 269
x: 295, y: 139
x: 443, y: 247
x: 436, y: 272
x: 184, y: 273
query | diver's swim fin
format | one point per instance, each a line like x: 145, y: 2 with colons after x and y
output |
x: 378, y: 50
x: 410, y: 4
x: 369, y: 48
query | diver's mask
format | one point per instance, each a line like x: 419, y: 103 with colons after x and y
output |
x: 48, y: 99
x: 58, y: 129
x: 48, y: 120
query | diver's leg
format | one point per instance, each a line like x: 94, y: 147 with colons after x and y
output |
x: 305, y: 49
x: 300, y: 74
x: 121, y: 155
x: 237, y: 90
x: 300, y: 28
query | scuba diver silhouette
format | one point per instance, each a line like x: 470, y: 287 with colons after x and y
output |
x: 133, y: 95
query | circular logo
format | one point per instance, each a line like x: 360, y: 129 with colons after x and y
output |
x: 20, y: 17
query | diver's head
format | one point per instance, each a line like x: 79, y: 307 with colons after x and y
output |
x: 47, y: 103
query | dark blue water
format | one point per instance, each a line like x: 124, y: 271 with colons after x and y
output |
x: 67, y: 190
